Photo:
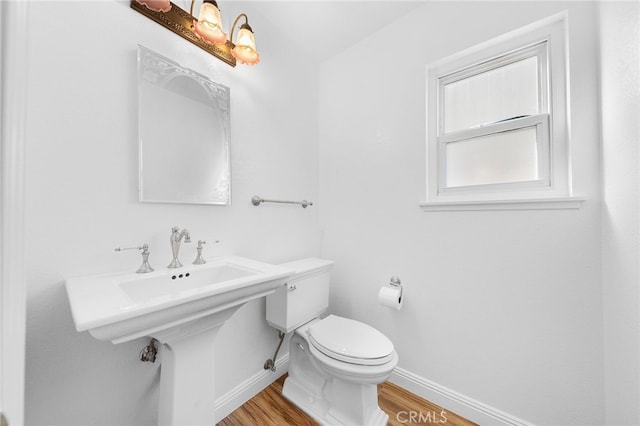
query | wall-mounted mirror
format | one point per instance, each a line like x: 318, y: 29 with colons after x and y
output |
x: 183, y: 125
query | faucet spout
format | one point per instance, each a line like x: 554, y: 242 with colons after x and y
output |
x: 184, y: 233
x: 175, y: 239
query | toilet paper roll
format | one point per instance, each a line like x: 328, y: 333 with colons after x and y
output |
x: 391, y: 297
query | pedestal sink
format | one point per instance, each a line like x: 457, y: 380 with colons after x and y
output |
x: 183, y: 309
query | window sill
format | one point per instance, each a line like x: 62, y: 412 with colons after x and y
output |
x: 566, y: 203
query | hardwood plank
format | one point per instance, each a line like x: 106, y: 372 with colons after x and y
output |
x: 404, y: 407
x: 270, y: 408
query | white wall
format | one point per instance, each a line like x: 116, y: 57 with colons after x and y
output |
x: 620, y: 93
x: 502, y: 307
x: 82, y: 198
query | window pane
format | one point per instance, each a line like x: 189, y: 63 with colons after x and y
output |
x: 498, y: 94
x: 499, y: 158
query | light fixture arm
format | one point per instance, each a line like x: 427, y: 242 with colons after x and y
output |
x: 233, y: 28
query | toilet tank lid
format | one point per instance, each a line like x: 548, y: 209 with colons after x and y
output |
x: 308, y: 265
x: 350, y: 338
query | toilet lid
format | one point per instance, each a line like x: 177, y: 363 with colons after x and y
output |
x: 350, y: 341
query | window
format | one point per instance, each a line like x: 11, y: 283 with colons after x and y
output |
x: 497, y: 119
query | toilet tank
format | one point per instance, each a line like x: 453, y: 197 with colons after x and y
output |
x: 303, y: 297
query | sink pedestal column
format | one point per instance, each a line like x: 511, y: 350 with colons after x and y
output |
x: 187, y: 379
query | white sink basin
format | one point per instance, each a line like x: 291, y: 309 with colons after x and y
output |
x: 124, y: 306
x: 149, y: 287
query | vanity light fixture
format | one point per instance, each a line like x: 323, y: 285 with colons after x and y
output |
x: 206, y: 31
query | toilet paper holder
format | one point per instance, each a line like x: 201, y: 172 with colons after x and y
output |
x: 395, y: 282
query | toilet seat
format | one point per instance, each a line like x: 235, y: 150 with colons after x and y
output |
x: 350, y: 341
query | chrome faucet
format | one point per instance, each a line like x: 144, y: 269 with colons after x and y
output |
x: 175, y: 239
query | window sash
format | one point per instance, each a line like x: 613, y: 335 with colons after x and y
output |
x: 538, y: 50
x: 541, y: 124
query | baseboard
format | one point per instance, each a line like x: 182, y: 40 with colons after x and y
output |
x: 458, y: 403
x: 462, y: 405
x: 246, y: 390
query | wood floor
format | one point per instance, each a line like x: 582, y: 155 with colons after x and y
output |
x: 270, y: 408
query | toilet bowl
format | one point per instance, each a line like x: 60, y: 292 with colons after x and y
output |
x: 335, y: 363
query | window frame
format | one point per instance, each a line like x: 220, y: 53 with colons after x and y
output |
x: 553, y: 156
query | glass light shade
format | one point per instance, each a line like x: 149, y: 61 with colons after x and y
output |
x: 209, y: 24
x: 156, y: 5
x: 245, y: 49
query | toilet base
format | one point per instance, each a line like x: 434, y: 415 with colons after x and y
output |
x: 341, y: 403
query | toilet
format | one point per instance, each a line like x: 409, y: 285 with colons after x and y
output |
x: 335, y: 363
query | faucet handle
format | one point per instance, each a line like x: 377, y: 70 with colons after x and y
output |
x: 199, y: 259
x: 201, y: 242
x: 145, y: 266
x: 131, y: 248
